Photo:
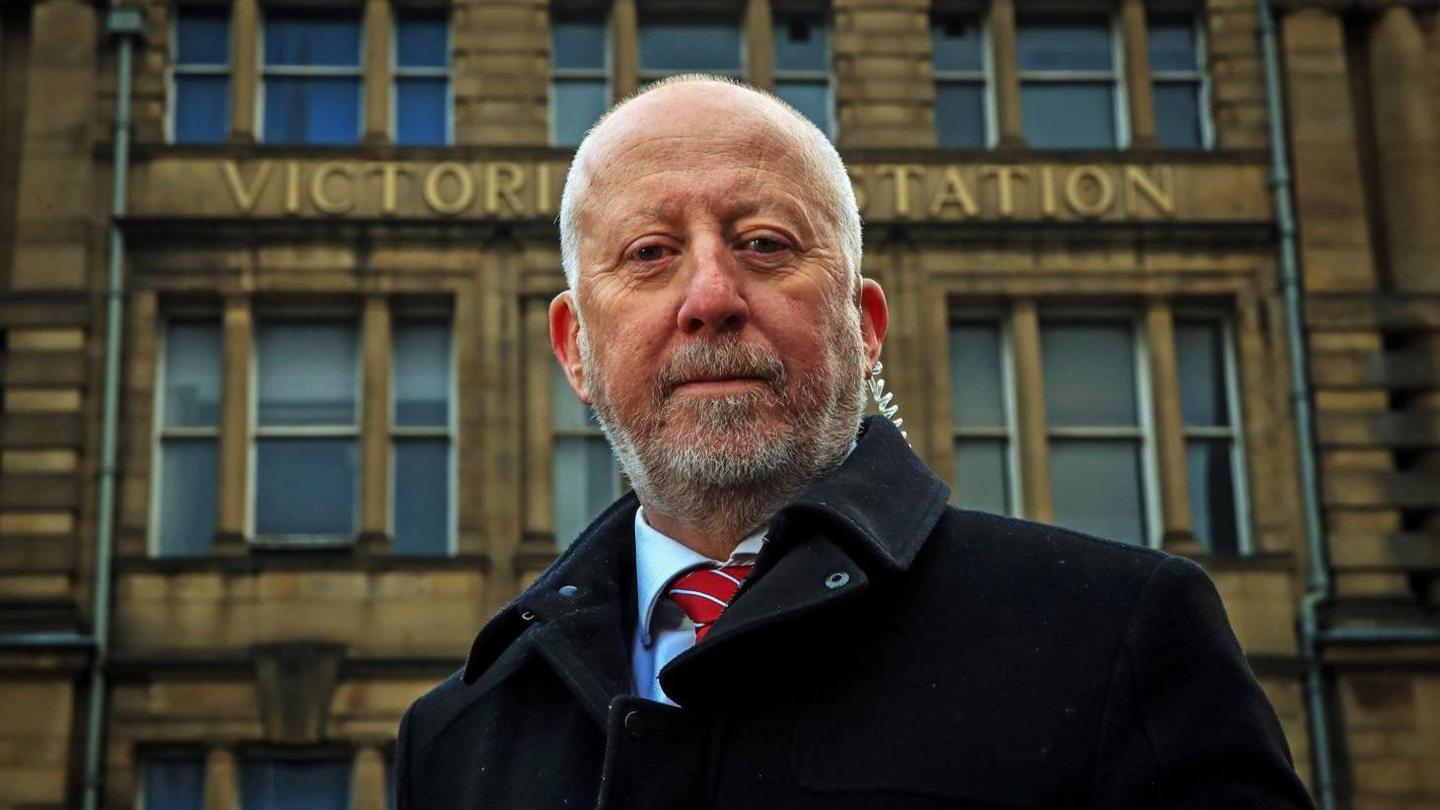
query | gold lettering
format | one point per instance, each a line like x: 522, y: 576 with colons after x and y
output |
x: 1005, y: 177
x: 390, y: 185
x: 1048, y: 208
x: 857, y: 184
x: 953, y: 191
x: 292, y: 188
x: 509, y: 188
x: 320, y: 199
x: 245, y: 196
x: 542, y: 188
x: 902, y: 175
x: 1092, y: 177
x: 1160, y: 191
x: 464, y: 183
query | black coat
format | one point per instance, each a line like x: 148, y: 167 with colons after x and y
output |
x: 887, y: 652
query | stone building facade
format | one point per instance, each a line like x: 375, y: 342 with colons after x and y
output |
x: 340, y: 440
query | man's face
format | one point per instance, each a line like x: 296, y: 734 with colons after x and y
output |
x: 721, y: 337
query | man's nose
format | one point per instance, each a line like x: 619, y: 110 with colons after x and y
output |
x: 714, y: 298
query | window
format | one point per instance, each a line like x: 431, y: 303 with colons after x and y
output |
x: 802, y: 67
x: 294, y: 784
x: 306, y: 432
x: 421, y: 447
x: 1068, y: 81
x: 961, y: 88
x: 1095, y: 408
x: 188, y: 415
x: 1212, y: 451
x: 586, y: 479
x: 673, y: 42
x: 1177, y: 69
x: 312, y: 76
x: 579, y: 92
x: 200, y: 76
x: 173, y: 782
x: 982, y: 414
x: 422, y: 78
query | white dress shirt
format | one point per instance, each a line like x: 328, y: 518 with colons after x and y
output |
x: 662, y: 630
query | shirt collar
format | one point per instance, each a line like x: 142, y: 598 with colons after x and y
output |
x: 660, y: 558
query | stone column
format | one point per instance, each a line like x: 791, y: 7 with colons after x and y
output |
x: 233, y: 481
x: 759, y: 44
x: 222, y: 784
x: 378, y: 60
x: 1139, y: 93
x: 367, y: 779
x: 1006, y: 60
x: 539, y: 433
x: 244, y: 69
x: 375, y: 427
x: 625, y: 48
x: 1169, y: 429
x: 1035, y: 486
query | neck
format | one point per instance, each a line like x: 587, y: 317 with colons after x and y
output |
x: 715, y: 532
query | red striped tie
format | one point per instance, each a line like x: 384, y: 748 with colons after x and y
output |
x: 705, y: 592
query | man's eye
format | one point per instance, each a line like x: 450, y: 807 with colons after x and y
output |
x: 650, y: 253
x: 764, y: 244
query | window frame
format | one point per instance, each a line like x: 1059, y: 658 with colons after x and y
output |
x: 397, y: 73
x: 807, y: 76
x: 1116, y: 76
x: 255, y: 432
x: 174, y: 68
x: 264, y: 72
x: 1235, y: 432
x: 591, y: 432
x: 159, y: 432
x: 1200, y: 76
x: 449, y: 431
x: 1010, y: 431
x: 985, y: 76
x: 605, y: 73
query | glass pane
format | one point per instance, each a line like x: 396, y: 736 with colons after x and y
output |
x: 960, y: 115
x: 586, y: 481
x: 174, y: 783
x: 308, y: 38
x: 308, y: 373
x: 577, y: 42
x: 1069, y: 115
x: 567, y: 412
x: 1212, y: 495
x: 691, y: 42
x: 202, y: 36
x: 1177, y: 114
x: 957, y: 41
x: 422, y: 496
x: 422, y: 374
x: 977, y: 394
x: 1171, y: 41
x: 420, y: 109
x: 187, y: 497
x: 802, y: 43
x: 1200, y: 358
x: 301, y: 784
x: 982, y: 475
x: 1064, y: 42
x: 1089, y: 374
x: 1097, y: 488
x: 193, y: 351
x: 811, y: 99
x: 317, y: 110
x: 202, y: 109
x: 421, y: 39
x: 577, y: 104
x: 305, y: 486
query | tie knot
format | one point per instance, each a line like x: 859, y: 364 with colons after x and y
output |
x: 705, y: 592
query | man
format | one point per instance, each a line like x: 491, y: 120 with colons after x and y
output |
x: 785, y: 613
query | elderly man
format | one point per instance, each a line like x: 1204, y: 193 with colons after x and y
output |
x: 785, y: 613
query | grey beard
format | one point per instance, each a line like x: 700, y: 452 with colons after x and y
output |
x: 737, y: 471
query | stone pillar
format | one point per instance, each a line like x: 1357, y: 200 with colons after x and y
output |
x: 1169, y: 429
x: 759, y: 44
x: 378, y: 60
x: 222, y: 784
x: 375, y: 427
x: 1408, y: 168
x: 625, y: 48
x: 244, y: 69
x: 539, y: 433
x: 1035, y: 485
x: 233, y: 480
x: 1005, y: 57
x: 367, y: 779
x: 1139, y: 92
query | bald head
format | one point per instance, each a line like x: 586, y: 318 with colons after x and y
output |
x: 717, y: 115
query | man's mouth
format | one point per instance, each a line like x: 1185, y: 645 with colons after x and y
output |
x: 718, y: 385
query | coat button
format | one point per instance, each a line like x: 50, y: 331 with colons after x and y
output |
x: 635, y: 723
x: 837, y: 580
x: 568, y: 591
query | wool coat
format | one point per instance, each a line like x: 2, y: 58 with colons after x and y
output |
x: 888, y: 651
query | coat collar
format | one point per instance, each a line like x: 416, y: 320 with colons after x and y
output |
x: 872, y: 514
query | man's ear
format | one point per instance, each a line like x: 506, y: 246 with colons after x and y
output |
x: 565, y: 342
x: 874, y: 319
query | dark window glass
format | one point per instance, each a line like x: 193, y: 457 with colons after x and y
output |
x: 312, y: 39
x: 201, y: 102
x: 577, y: 42
x: 1067, y: 81
x: 173, y: 783
x: 295, y: 784
x: 306, y: 486
x: 1064, y: 43
x: 1171, y: 43
x: 958, y: 42
x: 421, y: 106
x: 1177, y: 115
x: 810, y: 99
x: 579, y: 91
x: 312, y: 77
x: 421, y: 463
x: 577, y: 105
x: 586, y: 477
x: 958, y: 53
x: 801, y: 43
x: 960, y: 115
x: 189, y: 433
x: 675, y: 43
x: 203, y: 36
x: 422, y: 496
x: 978, y: 413
x: 421, y: 40
x: 422, y: 78
x: 1210, y: 439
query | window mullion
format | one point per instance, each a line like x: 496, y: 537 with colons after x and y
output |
x: 244, y: 56
x: 235, y: 391
x: 378, y: 60
x: 1169, y: 429
x: 1138, y: 92
x: 375, y: 424
x: 1030, y: 413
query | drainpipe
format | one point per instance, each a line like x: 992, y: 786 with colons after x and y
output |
x: 125, y: 24
x: 1317, y: 580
